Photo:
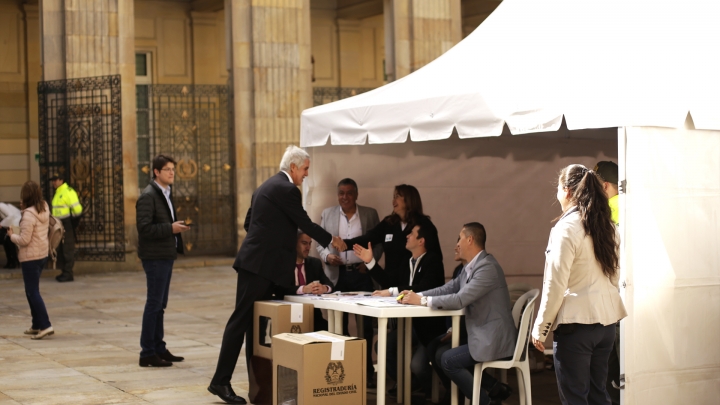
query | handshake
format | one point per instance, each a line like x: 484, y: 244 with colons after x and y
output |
x: 338, y: 244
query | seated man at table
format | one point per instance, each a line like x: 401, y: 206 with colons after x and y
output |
x: 310, y: 277
x: 424, y: 271
x: 480, y: 289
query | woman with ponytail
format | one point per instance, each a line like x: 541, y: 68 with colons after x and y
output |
x: 580, y: 299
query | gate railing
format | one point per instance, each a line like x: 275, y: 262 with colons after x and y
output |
x: 80, y: 137
x: 324, y: 95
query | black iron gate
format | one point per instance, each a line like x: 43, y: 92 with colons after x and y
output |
x: 80, y: 137
x: 192, y: 124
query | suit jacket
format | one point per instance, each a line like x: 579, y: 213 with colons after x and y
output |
x: 393, y: 239
x: 314, y: 272
x: 575, y: 289
x: 270, y: 247
x: 330, y: 221
x: 430, y: 273
x: 156, y: 240
x: 488, y: 316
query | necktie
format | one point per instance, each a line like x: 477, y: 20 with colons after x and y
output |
x: 300, y: 277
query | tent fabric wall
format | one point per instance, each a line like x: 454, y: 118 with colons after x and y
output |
x: 507, y: 183
x: 671, y: 233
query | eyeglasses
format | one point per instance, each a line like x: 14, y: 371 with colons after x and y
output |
x: 168, y: 169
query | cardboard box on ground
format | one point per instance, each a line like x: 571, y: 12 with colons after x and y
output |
x: 271, y: 318
x: 319, y: 368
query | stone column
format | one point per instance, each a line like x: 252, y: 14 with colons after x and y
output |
x: 271, y: 72
x: 417, y: 32
x: 87, y: 38
x: 34, y: 75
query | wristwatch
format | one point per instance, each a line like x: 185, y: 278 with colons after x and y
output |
x: 423, y: 301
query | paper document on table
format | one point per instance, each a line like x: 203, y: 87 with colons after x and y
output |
x: 379, y: 303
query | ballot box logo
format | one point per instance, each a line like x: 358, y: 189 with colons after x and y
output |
x: 295, y: 329
x: 335, y: 373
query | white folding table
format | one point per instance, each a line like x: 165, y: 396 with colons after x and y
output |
x: 404, y: 313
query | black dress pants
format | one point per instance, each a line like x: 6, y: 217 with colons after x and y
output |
x: 66, y: 250
x: 250, y: 288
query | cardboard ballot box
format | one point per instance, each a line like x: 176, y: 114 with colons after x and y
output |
x: 274, y: 317
x: 318, y: 368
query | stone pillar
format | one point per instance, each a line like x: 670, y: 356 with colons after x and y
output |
x: 270, y: 64
x: 349, y: 58
x: 417, y: 32
x: 34, y: 75
x: 87, y: 38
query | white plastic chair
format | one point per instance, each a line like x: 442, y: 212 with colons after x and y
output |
x: 520, y: 357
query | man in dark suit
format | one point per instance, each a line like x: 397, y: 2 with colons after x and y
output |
x: 482, y: 291
x: 159, y: 242
x: 310, y: 277
x: 265, y: 260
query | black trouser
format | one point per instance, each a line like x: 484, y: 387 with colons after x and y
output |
x: 581, y: 354
x: 356, y: 281
x: 11, y: 252
x: 66, y: 250
x: 239, y: 328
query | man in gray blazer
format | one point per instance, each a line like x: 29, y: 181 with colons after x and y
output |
x: 346, y: 271
x: 483, y: 292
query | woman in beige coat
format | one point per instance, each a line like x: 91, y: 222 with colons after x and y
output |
x: 33, y: 254
x: 580, y: 300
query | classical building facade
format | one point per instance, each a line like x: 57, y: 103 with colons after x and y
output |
x: 94, y: 88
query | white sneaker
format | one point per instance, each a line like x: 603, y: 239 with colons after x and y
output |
x: 45, y: 332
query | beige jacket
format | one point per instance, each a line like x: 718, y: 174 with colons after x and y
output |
x: 575, y: 290
x: 33, y: 237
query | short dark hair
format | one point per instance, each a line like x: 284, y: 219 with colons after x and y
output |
x: 348, y: 182
x: 300, y: 233
x: 422, y: 232
x: 160, y: 161
x: 477, y: 231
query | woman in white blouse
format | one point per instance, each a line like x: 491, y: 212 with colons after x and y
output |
x: 580, y: 300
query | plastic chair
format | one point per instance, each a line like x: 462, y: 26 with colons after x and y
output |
x: 526, y: 306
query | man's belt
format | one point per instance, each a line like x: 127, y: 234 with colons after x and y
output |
x: 350, y: 267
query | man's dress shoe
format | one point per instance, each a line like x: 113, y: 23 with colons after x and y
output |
x: 226, y: 393
x: 167, y: 356
x: 154, y: 361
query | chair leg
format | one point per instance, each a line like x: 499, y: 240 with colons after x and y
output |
x: 477, y: 379
x: 524, y: 386
x: 503, y: 376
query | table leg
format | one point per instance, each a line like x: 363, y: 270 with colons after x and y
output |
x: 339, y: 322
x: 360, y: 326
x: 382, y: 358
x: 455, y: 343
x: 408, y: 359
x: 331, y: 320
x: 400, y: 364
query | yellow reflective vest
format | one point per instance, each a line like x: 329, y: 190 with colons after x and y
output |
x: 65, y: 202
x: 614, y: 209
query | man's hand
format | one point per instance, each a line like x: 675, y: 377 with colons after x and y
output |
x: 334, y: 260
x: 179, y: 226
x: 410, y: 298
x: 538, y: 344
x: 339, y: 244
x: 381, y: 293
x: 314, y: 288
x: 9, y: 231
x: 363, y: 254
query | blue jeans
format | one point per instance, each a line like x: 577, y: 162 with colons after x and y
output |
x: 581, y: 354
x: 31, y: 276
x: 158, y: 274
x: 459, y: 366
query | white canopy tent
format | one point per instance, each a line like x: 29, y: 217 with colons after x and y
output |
x: 636, y: 82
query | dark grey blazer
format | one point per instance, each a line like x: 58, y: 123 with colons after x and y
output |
x: 156, y: 240
x: 488, y: 316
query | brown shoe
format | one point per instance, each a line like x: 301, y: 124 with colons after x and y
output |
x: 32, y: 331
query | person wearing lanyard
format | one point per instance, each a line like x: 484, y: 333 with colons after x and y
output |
x: 580, y: 299
x: 424, y: 271
x: 349, y: 220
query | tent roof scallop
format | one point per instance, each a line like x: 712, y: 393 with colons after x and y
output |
x: 597, y: 63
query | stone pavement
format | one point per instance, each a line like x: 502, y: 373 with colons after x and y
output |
x: 93, y: 356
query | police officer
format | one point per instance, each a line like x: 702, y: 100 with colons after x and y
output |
x: 65, y: 205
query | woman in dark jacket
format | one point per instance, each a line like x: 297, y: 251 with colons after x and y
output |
x: 392, y: 232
